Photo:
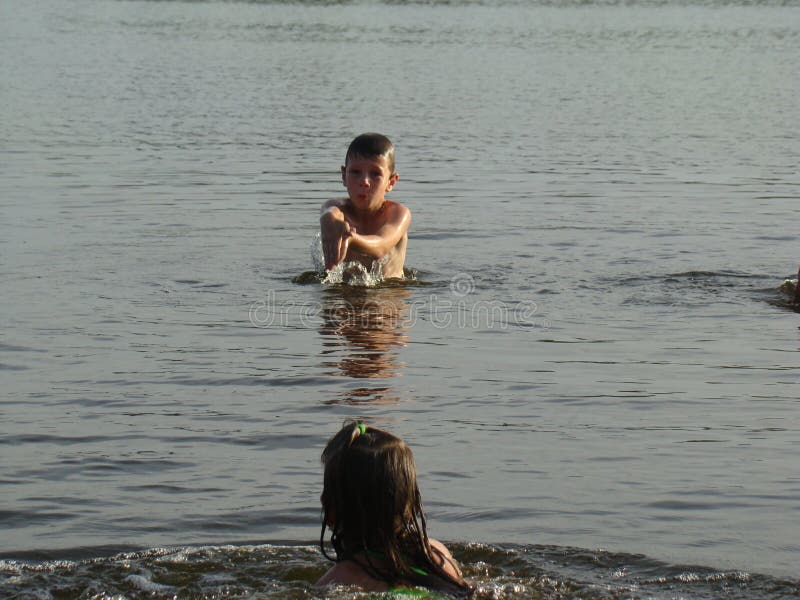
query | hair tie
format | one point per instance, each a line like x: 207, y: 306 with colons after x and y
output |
x: 362, y: 428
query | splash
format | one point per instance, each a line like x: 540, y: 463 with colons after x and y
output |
x: 316, y: 254
x: 350, y: 273
x: 789, y: 287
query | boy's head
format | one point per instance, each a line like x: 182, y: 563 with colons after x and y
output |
x: 371, y: 145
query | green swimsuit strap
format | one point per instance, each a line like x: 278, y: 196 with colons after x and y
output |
x: 417, y: 592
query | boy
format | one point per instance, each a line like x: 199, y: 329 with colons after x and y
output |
x: 366, y: 226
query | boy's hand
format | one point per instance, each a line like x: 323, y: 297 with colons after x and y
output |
x: 336, y: 233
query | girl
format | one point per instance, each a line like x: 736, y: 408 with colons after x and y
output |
x: 371, y: 503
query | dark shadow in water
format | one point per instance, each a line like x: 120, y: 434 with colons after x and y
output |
x: 787, y: 296
x: 363, y: 331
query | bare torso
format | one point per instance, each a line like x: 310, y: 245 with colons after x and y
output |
x: 392, y: 262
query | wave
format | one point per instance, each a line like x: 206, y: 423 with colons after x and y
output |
x: 691, y: 288
x: 289, y: 571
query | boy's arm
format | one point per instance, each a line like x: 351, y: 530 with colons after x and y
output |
x: 335, y: 232
x: 382, y: 241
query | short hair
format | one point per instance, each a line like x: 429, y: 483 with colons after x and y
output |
x: 371, y: 502
x: 371, y: 145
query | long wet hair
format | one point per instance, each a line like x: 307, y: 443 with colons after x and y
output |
x: 372, y: 505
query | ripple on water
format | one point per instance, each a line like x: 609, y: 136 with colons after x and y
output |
x: 271, y: 571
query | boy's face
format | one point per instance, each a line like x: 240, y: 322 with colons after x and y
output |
x: 367, y: 180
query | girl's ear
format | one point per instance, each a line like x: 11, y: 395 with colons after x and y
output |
x: 392, y: 181
x: 344, y: 182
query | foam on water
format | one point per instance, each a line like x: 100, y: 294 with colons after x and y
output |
x: 274, y: 571
x: 355, y: 274
x: 351, y: 273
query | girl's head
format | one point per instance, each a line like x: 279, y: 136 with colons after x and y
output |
x: 370, y: 498
x: 372, y: 505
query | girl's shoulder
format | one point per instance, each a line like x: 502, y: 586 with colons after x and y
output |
x: 351, y: 572
x: 437, y: 545
x: 448, y: 563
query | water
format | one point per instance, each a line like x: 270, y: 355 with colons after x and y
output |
x: 594, y: 362
x: 267, y: 571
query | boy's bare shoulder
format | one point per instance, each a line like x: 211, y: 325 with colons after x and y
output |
x: 397, y: 210
x: 336, y: 202
x: 396, y: 205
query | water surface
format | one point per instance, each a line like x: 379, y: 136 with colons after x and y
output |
x: 595, y: 360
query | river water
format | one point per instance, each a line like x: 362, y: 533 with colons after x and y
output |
x: 593, y: 360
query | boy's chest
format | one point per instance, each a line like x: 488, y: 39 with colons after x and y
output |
x: 366, y: 226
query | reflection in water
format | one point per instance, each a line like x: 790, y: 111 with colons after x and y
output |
x: 365, y: 395
x: 363, y: 330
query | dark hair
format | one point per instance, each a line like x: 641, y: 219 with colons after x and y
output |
x: 373, y: 507
x: 370, y: 145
